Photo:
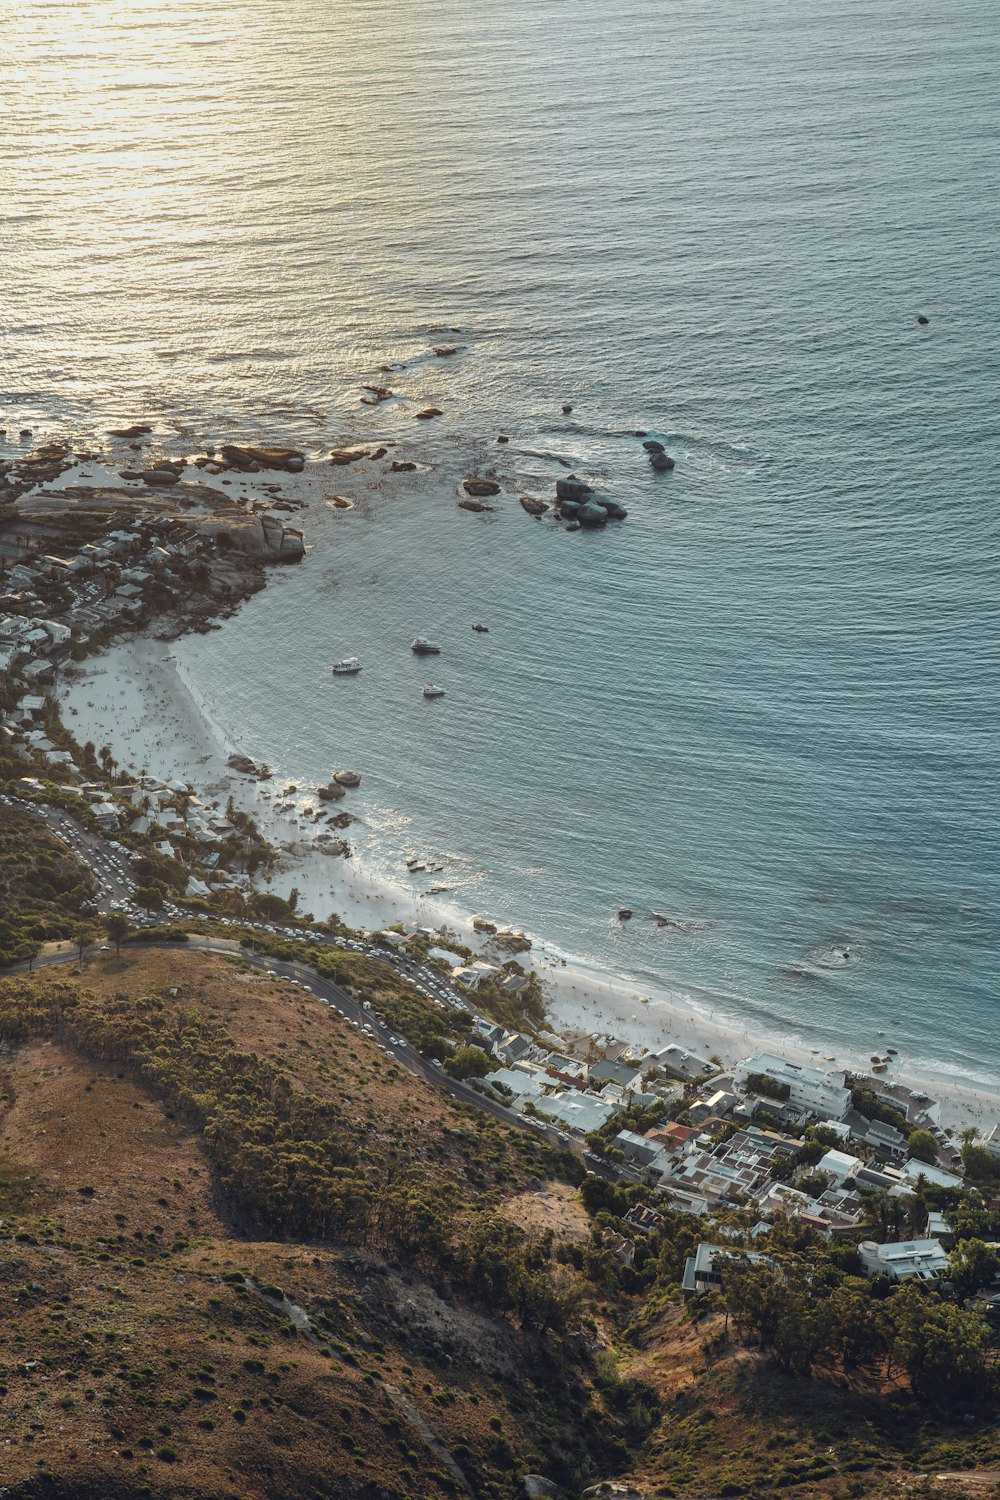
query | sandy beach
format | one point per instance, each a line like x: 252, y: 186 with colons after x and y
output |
x: 134, y: 698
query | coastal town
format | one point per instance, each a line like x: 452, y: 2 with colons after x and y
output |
x: 847, y: 1155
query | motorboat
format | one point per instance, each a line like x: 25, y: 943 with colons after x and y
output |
x: 420, y: 647
x: 433, y: 691
x: 348, y: 666
x: 482, y: 629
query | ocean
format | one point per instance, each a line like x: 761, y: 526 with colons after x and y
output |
x: 766, y: 705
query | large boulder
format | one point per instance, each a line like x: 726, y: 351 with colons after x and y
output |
x: 292, y: 548
x: 614, y: 511
x: 661, y: 461
x: 341, y: 456
x: 241, y: 456
x: 537, y: 1487
x: 331, y: 793
x: 653, y: 445
x: 347, y: 778
x: 474, y: 505
x: 160, y: 476
x: 532, y: 506
x: 285, y: 543
x: 592, y: 514
x: 481, y: 487
x: 572, y: 489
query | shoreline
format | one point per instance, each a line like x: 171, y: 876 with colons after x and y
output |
x: 135, y: 696
x: 152, y: 716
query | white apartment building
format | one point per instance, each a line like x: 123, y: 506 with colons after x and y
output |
x: 822, y: 1094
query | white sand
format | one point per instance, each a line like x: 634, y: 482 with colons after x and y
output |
x: 134, y: 699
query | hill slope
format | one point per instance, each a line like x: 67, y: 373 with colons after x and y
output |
x: 244, y: 1255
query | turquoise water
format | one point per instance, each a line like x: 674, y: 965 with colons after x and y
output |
x: 766, y: 705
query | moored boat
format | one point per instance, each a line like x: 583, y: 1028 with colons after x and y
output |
x: 348, y: 666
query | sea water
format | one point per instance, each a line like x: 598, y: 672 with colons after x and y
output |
x: 766, y: 705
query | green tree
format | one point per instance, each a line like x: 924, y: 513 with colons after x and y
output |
x: 923, y: 1146
x: 118, y: 927
x: 980, y: 1165
x: 973, y: 1266
x: 941, y: 1347
x: 150, y: 897
x: 85, y: 936
x: 468, y: 1062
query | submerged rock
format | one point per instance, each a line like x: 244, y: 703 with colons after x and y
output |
x: 481, y: 487
x: 341, y: 456
x: 428, y: 412
x: 661, y: 461
x: 922, y: 320
x: 653, y: 445
x: 136, y: 430
x: 532, y: 506
x: 474, y: 505
x: 401, y: 466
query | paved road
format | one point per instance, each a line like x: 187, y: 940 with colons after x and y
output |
x: 353, y: 1011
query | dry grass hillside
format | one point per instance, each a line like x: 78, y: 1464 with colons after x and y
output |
x: 160, y: 1337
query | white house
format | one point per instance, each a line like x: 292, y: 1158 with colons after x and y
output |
x: 839, y: 1165
x: 910, y: 1260
x: 577, y: 1111
x: 936, y: 1175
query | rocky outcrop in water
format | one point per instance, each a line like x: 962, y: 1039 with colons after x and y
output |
x: 659, y: 458
x: 251, y: 460
x: 572, y: 488
x: 481, y: 487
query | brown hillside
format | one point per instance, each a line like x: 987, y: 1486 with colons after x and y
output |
x: 157, y: 1340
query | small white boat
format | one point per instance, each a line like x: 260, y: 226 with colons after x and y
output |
x: 420, y: 647
x: 433, y: 691
x: 348, y: 666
